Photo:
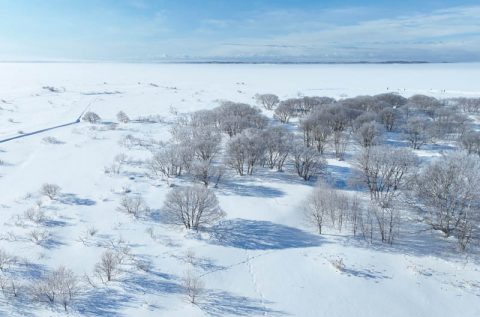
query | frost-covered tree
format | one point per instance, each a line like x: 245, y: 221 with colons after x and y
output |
x: 389, y: 118
x: 316, y: 130
x: 285, y: 110
x: 206, y: 172
x: 307, y: 161
x: 326, y: 203
x: 245, y: 151
x: 268, y: 101
x: 192, y: 207
x: 232, y: 118
x: 447, y: 193
x: 171, y: 160
x: 133, y: 205
x: 278, y: 143
x: 383, y: 170
x: 122, y: 117
x: 369, y: 134
x: 392, y: 99
x: 59, y: 286
x: 91, y: 117
x: 470, y: 141
x: 204, y: 141
x: 417, y: 132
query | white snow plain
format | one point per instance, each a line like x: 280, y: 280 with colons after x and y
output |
x: 267, y: 261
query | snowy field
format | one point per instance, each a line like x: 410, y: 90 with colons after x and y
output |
x: 264, y: 260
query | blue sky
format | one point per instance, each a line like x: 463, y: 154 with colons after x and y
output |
x: 240, y: 30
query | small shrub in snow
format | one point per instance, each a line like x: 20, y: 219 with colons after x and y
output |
x: 91, y: 117
x: 51, y: 140
x: 338, y: 264
x: 35, y: 215
x: 135, y: 206
x: 38, y: 236
x: 50, y: 190
x: 53, y: 89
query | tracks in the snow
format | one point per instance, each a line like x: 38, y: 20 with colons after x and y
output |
x: 24, y: 135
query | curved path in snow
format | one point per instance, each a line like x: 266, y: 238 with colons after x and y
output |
x: 46, y: 129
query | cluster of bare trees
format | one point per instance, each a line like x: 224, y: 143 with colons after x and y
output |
x: 420, y: 119
x: 58, y: 286
x: 233, y: 135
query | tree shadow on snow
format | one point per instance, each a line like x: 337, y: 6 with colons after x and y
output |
x: 368, y: 274
x: 249, y: 190
x: 221, y: 303
x: 72, y: 199
x: 102, y: 302
x: 261, y: 235
x: 151, y: 284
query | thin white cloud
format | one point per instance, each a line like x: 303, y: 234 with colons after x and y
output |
x: 420, y: 36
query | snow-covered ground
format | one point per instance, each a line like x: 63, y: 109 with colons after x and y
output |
x: 264, y: 260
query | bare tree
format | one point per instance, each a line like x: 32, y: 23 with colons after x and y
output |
x: 50, y: 190
x: 417, y: 132
x: 447, y: 194
x: 316, y: 130
x: 203, y: 140
x: 389, y: 118
x: 122, y: 117
x: 326, y: 203
x: 285, y: 110
x: 340, y: 142
x: 170, y: 161
x: 6, y: 260
x: 108, y: 267
x: 278, y: 142
x: 307, y: 161
x: 268, y: 101
x: 470, y: 141
x: 387, y: 219
x: 383, y: 170
x: 193, y: 286
x: 192, y: 207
